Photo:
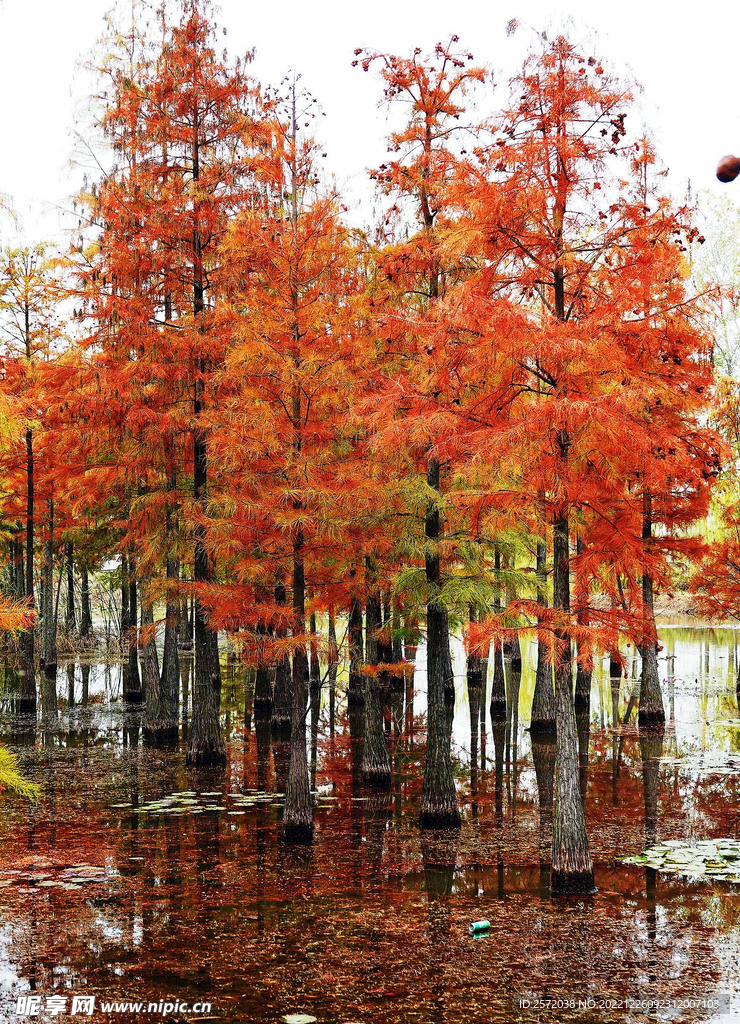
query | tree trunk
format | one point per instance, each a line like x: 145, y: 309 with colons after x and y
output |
x: 583, y: 730
x: 282, y: 703
x: 355, y: 690
x: 262, y: 685
x: 49, y: 625
x: 149, y: 666
x: 376, y: 764
x: 333, y: 663
x: 584, y: 660
x: 396, y: 648
x: 572, y: 870
x: 125, y: 623
x: 314, y: 670
x: 28, y: 686
x: 512, y: 648
x: 543, y: 701
x: 298, y: 814
x: 205, y: 743
x: 474, y: 681
x: 85, y: 612
x: 169, y: 685
x: 132, y: 680
x: 70, y: 622
x: 543, y: 757
x: 498, y: 685
x: 184, y: 625
x: 19, y: 572
x: 652, y: 711
x: 498, y: 688
x: 439, y: 808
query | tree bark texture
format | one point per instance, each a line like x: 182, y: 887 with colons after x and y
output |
x: 572, y: 869
x: 439, y: 808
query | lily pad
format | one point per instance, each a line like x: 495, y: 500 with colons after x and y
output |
x: 715, y: 858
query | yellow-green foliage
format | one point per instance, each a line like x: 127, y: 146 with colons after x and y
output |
x: 10, y: 777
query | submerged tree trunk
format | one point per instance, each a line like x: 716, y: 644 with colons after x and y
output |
x: 376, y: 764
x: 572, y: 869
x: 652, y: 711
x: 439, y: 808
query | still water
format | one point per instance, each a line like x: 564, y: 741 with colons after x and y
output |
x: 137, y: 879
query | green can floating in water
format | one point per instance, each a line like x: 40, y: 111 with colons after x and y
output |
x: 478, y: 927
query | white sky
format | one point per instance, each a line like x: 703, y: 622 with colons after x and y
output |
x: 685, y: 58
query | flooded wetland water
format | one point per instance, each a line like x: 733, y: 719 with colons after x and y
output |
x: 135, y: 878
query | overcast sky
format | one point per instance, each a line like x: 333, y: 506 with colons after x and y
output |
x: 685, y: 59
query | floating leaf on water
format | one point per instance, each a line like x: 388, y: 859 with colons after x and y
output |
x: 708, y: 857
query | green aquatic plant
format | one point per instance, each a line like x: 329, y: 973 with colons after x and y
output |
x: 11, y: 778
x: 715, y: 858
